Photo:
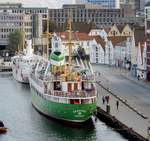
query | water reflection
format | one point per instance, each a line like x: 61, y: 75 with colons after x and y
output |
x: 26, y: 124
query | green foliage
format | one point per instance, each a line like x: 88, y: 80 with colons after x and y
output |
x: 78, y: 26
x: 15, y: 40
x: 52, y: 26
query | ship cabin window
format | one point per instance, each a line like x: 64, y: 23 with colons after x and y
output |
x: 57, y: 86
x: 75, y: 86
x: 87, y: 85
x: 84, y: 101
x: 75, y: 101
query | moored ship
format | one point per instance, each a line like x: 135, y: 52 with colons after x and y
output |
x: 63, y: 90
x: 23, y: 62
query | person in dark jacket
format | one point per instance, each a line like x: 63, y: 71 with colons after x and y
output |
x: 1, y: 124
x: 117, y: 104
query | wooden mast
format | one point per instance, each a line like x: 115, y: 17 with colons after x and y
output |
x: 70, y: 44
x: 23, y: 39
x: 47, y: 49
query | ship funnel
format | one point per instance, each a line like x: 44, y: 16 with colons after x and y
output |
x: 29, y: 50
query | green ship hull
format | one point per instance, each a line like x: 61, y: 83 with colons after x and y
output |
x: 68, y: 112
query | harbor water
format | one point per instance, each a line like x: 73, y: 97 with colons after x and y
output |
x: 24, y: 123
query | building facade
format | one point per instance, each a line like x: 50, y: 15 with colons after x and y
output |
x: 100, y: 17
x: 16, y: 17
x: 147, y: 31
x: 148, y: 49
x: 142, y: 61
x: 107, y: 4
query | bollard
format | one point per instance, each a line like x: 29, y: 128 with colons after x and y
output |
x: 108, y: 109
x: 148, y: 133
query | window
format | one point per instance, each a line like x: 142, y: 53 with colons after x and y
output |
x: 96, y: 54
x: 88, y: 43
x: 96, y: 60
x: 96, y: 49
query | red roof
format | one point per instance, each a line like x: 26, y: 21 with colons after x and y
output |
x: 100, y: 41
x: 117, y: 39
x: 75, y: 36
x: 107, y: 29
x: 78, y: 36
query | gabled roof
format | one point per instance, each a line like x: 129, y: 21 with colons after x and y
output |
x: 140, y: 36
x: 107, y: 29
x: 75, y: 36
x: 78, y: 36
x: 120, y: 28
x: 117, y: 39
x: 100, y: 41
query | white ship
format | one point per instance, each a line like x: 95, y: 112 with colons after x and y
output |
x: 23, y: 62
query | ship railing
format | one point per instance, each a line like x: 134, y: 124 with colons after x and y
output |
x: 75, y: 94
x: 36, y: 79
x: 89, y: 77
x: 66, y: 100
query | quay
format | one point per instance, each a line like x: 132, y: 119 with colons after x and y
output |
x: 5, y: 69
x: 127, y: 120
x: 5, y: 66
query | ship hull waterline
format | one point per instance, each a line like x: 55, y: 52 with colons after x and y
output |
x: 18, y: 77
x: 72, y: 113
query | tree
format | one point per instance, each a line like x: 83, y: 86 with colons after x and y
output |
x: 16, y: 40
x: 77, y: 26
x: 52, y: 26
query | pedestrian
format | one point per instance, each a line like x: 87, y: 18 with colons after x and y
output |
x: 138, y: 77
x: 117, y: 104
x: 107, y: 99
x: 1, y: 124
x: 103, y: 99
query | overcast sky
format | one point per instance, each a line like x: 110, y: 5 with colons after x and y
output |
x: 43, y: 3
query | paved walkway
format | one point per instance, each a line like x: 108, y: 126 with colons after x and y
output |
x: 124, y: 113
x: 126, y: 74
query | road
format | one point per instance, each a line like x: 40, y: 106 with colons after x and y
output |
x: 136, y: 95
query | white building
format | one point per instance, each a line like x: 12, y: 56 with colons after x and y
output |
x: 115, y: 51
x: 95, y: 32
x: 93, y: 45
x: 120, y: 50
x: 78, y: 39
x: 97, y: 50
x: 142, y: 61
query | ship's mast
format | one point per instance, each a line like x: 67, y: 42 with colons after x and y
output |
x: 23, y: 39
x: 47, y: 35
x: 47, y: 49
x: 70, y: 44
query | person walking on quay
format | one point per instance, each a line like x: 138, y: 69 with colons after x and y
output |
x: 107, y: 99
x: 103, y: 99
x: 117, y: 104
